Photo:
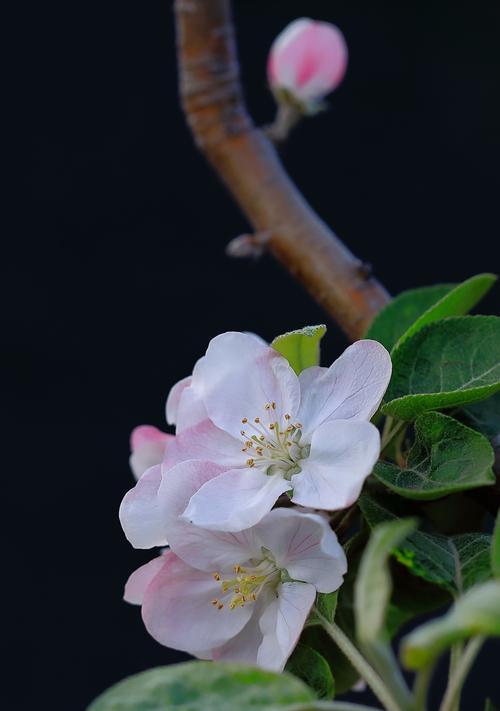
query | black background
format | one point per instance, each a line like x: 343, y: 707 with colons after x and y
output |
x: 115, y: 278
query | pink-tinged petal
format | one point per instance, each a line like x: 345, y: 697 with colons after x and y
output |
x: 148, y: 445
x: 309, y: 59
x: 352, y: 388
x: 245, y: 646
x: 178, y: 611
x: 140, y: 516
x: 237, y: 378
x: 235, y: 500
x: 184, y: 405
x: 282, y: 622
x: 305, y: 546
x: 343, y: 453
x: 207, y: 443
x: 206, y: 550
x: 139, y: 581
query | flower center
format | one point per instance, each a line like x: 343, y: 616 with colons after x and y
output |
x: 273, y: 442
x: 247, y: 583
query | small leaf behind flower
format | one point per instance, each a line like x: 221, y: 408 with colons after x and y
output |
x: 204, y: 686
x: 475, y: 614
x: 447, y: 457
x: 373, y: 587
x: 309, y: 665
x: 300, y: 348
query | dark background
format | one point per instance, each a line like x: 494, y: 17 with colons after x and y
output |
x: 115, y: 278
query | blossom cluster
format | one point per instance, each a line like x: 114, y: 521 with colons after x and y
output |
x: 241, y: 573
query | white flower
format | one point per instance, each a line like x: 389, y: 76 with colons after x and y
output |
x: 241, y: 597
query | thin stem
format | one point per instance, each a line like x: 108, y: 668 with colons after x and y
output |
x: 459, y: 675
x: 421, y: 687
x: 382, y: 657
x: 390, y: 432
x: 455, y: 655
x: 360, y: 664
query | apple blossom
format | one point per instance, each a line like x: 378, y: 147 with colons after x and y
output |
x: 241, y: 597
x: 268, y: 432
x: 307, y: 61
x: 147, y: 445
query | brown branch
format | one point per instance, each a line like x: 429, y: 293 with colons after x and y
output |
x: 248, y: 164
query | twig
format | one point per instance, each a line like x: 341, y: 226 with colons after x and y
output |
x: 248, y: 164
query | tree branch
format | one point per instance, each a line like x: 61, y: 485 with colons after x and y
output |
x: 248, y: 164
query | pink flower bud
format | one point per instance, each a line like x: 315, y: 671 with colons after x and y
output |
x: 307, y: 60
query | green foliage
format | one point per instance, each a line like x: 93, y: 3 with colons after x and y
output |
x: 309, y: 665
x: 495, y: 549
x: 373, y: 587
x: 485, y: 416
x: 203, y: 686
x: 300, y: 348
x: 455, y: 563
x: 326, y: 605
x: 475, y: 614
x: 412, y: 310
x: 447, y: 457
x: 448, y: 363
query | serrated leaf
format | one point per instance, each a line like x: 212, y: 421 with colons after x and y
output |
x: 446, y: 457
x: 495, y: 549
x: 203, y: 686
x: 373, y: 586
x: 397, y: 317
x: 475, y: 614
x: 457, y: 302
x: 455, y: 563
x: 485, y: 416
x: 448, y: 363
x: 309, y: 665
x: 300, y: 348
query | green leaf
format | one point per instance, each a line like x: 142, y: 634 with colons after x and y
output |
x: 457, y: 302
x: 475, y: 614
x: 326, y: 604
x: 455, y: 563
x: 448, y: 363
x: 203, y: 686
x: 310, y: 666
x: 373, y: 587
x: 398, y: 316
x: 485, y: 416
x: 447, y: 457
x: 300, y: 348
x: 495, y: 549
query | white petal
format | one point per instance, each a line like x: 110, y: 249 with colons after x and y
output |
x: 140, y: 516
x: 282, y: 623
x: 235, y: 500
x: 206, y: 550
x: 343, y: 453
x: 239, y: 375
x: 205, y: 442
x: 184, y: 405
x: 245, y: 646
x: 350, y: 389
x: 139, y: 581
x: 178, y: 610
x: 305, y: 545
x: 148, y: 445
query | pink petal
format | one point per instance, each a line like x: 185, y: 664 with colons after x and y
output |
x: 206, y: 550
x: 184, y: 405
x: 235, y: 500
x: 178, y: 610
x: 140, y: 516
x: 282, y: 623
x: 139, y: 581
x: 343, y: 453
x: 206, y: 442
x: 305, y: 546
x: 148, y: 445
x: 352, y: 388
x: 238, y: 376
